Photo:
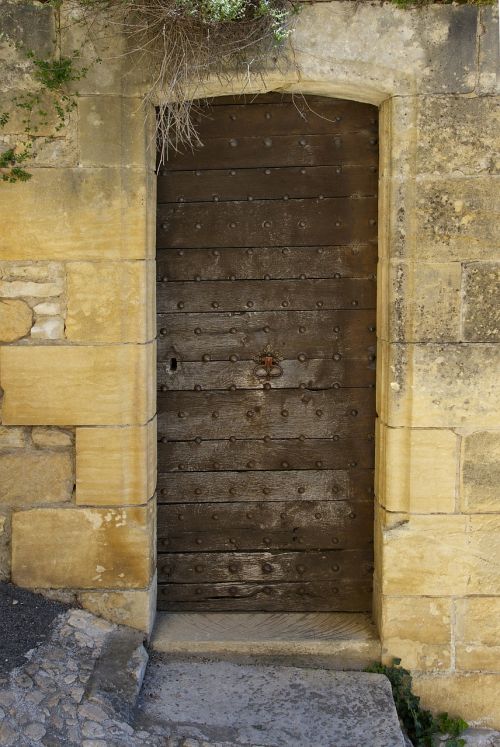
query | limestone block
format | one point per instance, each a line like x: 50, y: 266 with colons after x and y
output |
x: 423, y: 301
x: 46, y: 125
x: 32, y: 270
x: 115, y: 466
x: 478, y: 622
x: 458, y: 135
x: 34, y: 477
x: 48, y: 328
x: 110, y: 301
x: 422, y: 619
x: 51, y: 437
x: 78, y: 385
x: 418, y: 631
x: 31, y: 26
x: 483, y: 554
x: 16, y: 318
x: 12, y: 438
x: 470, y: 657
x: 488, y: 50
x: 137, y: 609
x: 83, y: 548
x: 438, y: 386
x: 78, y: 214
x: 481, y: 283
x: 115, y: 130
x: 481, y: 472
x: 18, y: 288
x: 430, y: 48
x: 419, y: 470
x: 426, y: 557
x: 47, y: 308
x: 474, y: 697
x: 457, y: 219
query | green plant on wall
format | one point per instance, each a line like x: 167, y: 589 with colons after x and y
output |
x: 423, y: 728
x: 50, y: 99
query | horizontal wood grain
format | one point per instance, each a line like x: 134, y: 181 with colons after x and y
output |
x: 265, y: 454
x: 217, y: 567
x: 329, y: 221
x: 221, y: 185
x: 284, y: 485
x: 259, y: 263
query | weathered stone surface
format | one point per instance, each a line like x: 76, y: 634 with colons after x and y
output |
x: 16, y: 319
x: 276, y: 705
x: 78, y: 385
x: 478, y: 620
x: 473, y: 696
x: 115, y: 130
x: 83, y: 548
x: 438, y: 386
x: 51, y: 437
x: 457, y: 218
x: 426, y: 557
x: 4, y: 548
x: 12, y: 438
x: 135, y: 608
x: 31, y: 26
x: 115, y: 466
x: 423, y: 301
x: 434, y: 46
x: 417, y: 469
x: 471, y: 657
x: 48, y: 328
x: 418, y: 631
x: 29, y: 289
x: 458, y: 135
x: 481, y: 283
x: 78, y: 214
x: 483, y: 554
x: 481, y: 472
x: 31, y: 477
x: 47, y: 308
x: 110, y: 301
x: 488, y: 50
x: 32, y: 270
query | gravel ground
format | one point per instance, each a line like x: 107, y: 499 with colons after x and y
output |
x: 25, y: 622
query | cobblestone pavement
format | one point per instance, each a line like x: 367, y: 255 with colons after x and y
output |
x: 51, y: 699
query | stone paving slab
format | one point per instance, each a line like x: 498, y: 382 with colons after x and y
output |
x: 271, y: 706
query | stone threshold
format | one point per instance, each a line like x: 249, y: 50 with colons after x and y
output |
x: 329, y: 640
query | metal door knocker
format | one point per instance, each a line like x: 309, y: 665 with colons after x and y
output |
x: 267, y: 364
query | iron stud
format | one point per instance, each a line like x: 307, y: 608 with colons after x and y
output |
x: 197, y: 491
x: 163, y: 331
x: 233, y: 567
x: 233, y: 143
x: 205, y: 357
x: 198, y: 568
x: 215, y: 415
x: 319, y: 464
x: 180, y: 305
x: 302, y: 171
x: 337, y: 356
x: 250, y: 304
x: 284, y: 413
x: 302, y: 330
x: 267, y: 568
x: 215, y: 304
x: 197, y: 331
x: 181, y: 414
x: 301, y: 357
x: 268, y: 142
x: 197, y: 388
x: 232, y: 225
x: 267, y: 172
x: 197, y: 226
x: 197, y: 278
x: 336, y: 437
x: 216, y: 465
x: 319, y: 413
x: 354, y: 413
x: 285, y: 465
x: 301, y: 490
x: 319, y: 304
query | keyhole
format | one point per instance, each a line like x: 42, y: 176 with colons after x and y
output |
x: 173, y: 364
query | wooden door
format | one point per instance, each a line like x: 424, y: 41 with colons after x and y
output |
x: 266, y: 358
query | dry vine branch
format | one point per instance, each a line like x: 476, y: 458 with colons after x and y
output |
x: 184, y: 43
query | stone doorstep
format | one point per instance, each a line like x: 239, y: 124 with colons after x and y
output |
x: 329, y: 640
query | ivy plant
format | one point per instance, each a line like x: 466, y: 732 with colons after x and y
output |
x: 423, y: 728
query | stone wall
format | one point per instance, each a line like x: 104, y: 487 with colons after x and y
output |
x: 77, y: 358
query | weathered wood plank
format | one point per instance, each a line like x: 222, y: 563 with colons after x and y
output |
x: 237, y: 295
x: 284, y: 413
x: 323, y: 596
x: 325, y: 565
x: 318, y: 334
x: 289, y: 485
x: 220, y: 185
x: 275, y: 118
x: 275, y: 525
x: 260, y: 263
x: 175, y: 375
x: 267, y: 223
x: 279, y: 97
x: 240, y: 454
x: 305, y: 149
